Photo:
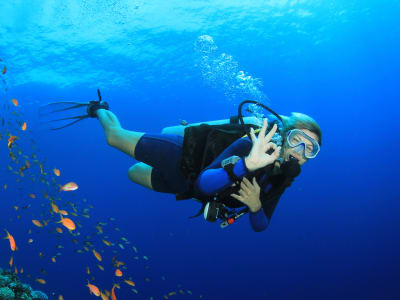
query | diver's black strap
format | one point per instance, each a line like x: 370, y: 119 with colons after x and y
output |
x: 229, y: 170
x: 234, y: 120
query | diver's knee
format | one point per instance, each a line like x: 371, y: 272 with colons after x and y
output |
x: 140, y: 173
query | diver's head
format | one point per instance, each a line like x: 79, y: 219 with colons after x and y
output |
x: 302, y: 138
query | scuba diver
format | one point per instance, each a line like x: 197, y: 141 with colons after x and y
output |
x: 232, y: 167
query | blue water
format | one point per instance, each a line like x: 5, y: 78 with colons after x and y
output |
x: 335, y: 231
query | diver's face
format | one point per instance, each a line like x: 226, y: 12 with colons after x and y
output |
x: 289, y: 151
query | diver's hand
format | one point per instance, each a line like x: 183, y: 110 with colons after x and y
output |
x: 258, y: 157
x: 249, y: 194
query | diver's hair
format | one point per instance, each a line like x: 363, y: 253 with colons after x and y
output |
x: 301, y: 121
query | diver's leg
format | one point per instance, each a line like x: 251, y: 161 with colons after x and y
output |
x: 140, y: 173
x: 116, y: 136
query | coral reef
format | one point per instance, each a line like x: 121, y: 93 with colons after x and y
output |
x: 13, y: 289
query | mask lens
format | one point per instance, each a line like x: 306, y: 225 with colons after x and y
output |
x: 297, y: 137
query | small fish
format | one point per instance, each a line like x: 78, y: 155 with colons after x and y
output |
x: 14, y: 101
x: 70, y: 186
x: 129, y: 282
x: 53, y: 259
x: 97, y: 255
x: 104, y: 296
x: 107, y: 243
x: 11, y: 140
x: 32, y: 196
x: 11, y: 261
x: 4, y: 71
x: 63, y: 212
x: 60, y: 297
x: 184, y: 122
x: 37, y: 223
x: 88, y: 270
x: 68, y: 223
x: 56, y: 171
x: 59, y: 230
x: 23, y: 127
x: 40, y: 280
x: 93, y: 289
x: 54, y: 207
x: 118, y: 273
x: 113, y: 297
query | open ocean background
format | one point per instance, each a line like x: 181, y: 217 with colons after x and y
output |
x: 335, y: 231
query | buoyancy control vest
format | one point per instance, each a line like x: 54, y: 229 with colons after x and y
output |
x: 204, y: 143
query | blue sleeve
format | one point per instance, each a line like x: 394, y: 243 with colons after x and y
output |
x: 258, y: 221
x: 214, y: 178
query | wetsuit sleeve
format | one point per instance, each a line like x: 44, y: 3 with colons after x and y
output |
x: 214, y: 178
x: 258, y: 221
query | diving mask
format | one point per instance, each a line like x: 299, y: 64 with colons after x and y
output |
x: 303, y: 143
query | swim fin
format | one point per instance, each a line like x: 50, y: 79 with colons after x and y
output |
x: 63, y: 106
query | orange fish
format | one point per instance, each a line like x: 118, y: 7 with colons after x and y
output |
x: 23, y: 127
x: 11, y: 240
x: 70, y: 186
x: 14, y: 101
x: 53, y: 259
x: 11, y: 261
x: 56, y: 172
x: 54, y: 207
x: 22, y: 270
x: 107, y: 243
x: 40, y: 280
x: 104, y: 296
x: 15, y: 270
x: 113, y: 297
x: 37, y: 223
x: 68, y: 223
x: 63, y: 212
x: 130, y: 282
x: 60, y: 297
x: 97, y: 255
x: 59, y: 230
x: 11, y: 140
x: 88, y: 270
x: 93, y: 289
x: 118, y: 273
x: 32, y: 196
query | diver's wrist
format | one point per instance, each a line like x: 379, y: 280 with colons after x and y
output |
x: 251, y: 166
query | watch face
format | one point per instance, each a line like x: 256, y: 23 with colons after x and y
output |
x: 230, y: 161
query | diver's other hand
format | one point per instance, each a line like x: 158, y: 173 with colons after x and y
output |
x: 249, y: 194
x: 258, y: 157
x: 94, y: 106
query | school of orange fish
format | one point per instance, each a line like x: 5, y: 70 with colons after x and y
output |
x: 61, y: 221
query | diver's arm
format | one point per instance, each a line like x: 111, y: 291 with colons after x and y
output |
x: 211, y: 181
x: 180, y: 129
x: 258, y: 220
x: 214, y: 178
